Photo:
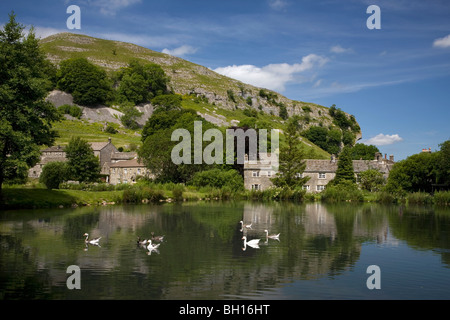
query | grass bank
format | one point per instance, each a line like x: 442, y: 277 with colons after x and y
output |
x: 27, y: 198
x: 37, y: 196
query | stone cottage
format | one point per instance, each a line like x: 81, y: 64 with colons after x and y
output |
x: 52, y: 154
x: 102, y: 150
x: 127, y: 171
x: 257, y: 175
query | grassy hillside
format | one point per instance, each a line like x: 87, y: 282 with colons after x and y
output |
x: 219, y: 99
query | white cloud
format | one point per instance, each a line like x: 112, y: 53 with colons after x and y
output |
x: 277, y: 4
x: 383, y: 139
x: 272, y: 76
x: 442, y: 42
x: 110, y: 7
x: 44, y: 32
x: 339, y: 49
x: 180, y: 51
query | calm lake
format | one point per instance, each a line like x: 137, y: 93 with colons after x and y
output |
x: 323, y: 252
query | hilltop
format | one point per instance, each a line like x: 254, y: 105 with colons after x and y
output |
x: 217, y: 98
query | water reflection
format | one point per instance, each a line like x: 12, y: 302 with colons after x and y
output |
x: 202, y: 256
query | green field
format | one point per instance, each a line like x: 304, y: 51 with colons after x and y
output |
x: 92, y: 132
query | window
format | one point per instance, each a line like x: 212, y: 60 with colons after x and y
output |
x: 255, y: 174
x: 256, y: 187
x: 320, y: 188
x: 299, y: 175
x: 269, y: 173
x: 306, y: 187
x: 125, y: 171
x: 322, y: 175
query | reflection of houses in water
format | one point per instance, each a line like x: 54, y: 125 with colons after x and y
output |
x: 316, y: 219
x: 259, y: 215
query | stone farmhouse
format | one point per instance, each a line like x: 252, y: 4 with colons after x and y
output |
x: 116, y: 167
x: 127, y: 171
x: 257, y: 176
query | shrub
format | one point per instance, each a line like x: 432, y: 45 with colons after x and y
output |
x: 217, y: 178
x: 72, y: 110
x: 385, y: 197
x: 110, y: 129
x: 343, y: 191
x: 177, y: 192
x: 53, y: 174
x: 419, y: 198
x: 442, y: 198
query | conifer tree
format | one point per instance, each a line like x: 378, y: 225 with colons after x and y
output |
x: 344, y: 170
x: 291, y: 161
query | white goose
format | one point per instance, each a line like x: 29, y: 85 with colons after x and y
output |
x: 151, y: 246
x: 254, y: 243
x: 248, y: 226
x: 272, y: 236
x: 93, y: 241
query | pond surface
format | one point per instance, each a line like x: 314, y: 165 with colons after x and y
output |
x: 323, y: 252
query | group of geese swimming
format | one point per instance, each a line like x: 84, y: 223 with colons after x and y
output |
x: 254, y: 243
x: 149, y: 244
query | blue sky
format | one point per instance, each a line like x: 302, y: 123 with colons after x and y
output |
x: 395, y: 80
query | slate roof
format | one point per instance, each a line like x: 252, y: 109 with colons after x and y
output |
x: 127, y: 164
x: 358, y: 165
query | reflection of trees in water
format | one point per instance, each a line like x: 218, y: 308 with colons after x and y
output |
x: 316, y: 241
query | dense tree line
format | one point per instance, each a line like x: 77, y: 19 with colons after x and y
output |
x: 424, y: 172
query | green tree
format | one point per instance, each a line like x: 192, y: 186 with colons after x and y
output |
x: 415, y: 173
x: 157, y: 145
x: 291, y: 161
x: 130, y: 116
x: 156, y: 156
x: 167, y: 101
x: 88, y: 84
x: 317, y: 135
x: 344, y: 170
x: 140, y: 83
x: 25, y: 117
x: 83, y: 165
x: 443, y: 164
x: 132, y: 89
x: 334, y: 138
x: 364, y: 152
x: 53, y: 174
x: 371, y: 180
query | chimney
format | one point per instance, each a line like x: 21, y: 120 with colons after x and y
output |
x: 109, y: 140
x: 391, y: 158
x: 333, y: 158
x: 378, y: 156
